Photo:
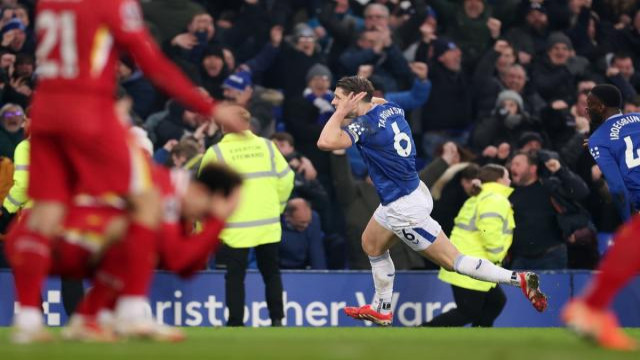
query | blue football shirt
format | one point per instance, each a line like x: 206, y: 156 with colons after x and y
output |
x: 615, y: 146
x: 383, y: 137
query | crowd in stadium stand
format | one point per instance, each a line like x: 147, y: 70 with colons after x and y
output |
x: 481, y: 81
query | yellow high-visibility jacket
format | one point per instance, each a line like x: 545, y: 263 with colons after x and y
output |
x: 483, y: 228
x: 17, y: 197
x: 268, y: 182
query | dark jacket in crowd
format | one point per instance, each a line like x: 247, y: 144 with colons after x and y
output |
x: 172, y: 127
x: 170, y: 17
x: 142, y: 93
x: 627, y: 40
x: 593, y: 51
x: 528, y: 40
x: 487, y: 85
x: 342, y: 30
x: 449, y: 105
x: 499, y: 128
x: 283, y: 67
x: 537, y: 228
x: 558, y: 126
x: 471, y: 35
x: 553, y: 82
x: 390, y: 64
x: 9, y: 141
x: 303, y: 249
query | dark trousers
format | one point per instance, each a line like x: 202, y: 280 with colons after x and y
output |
x: 477, y: 308
x: 236, y: 261
x: 72, y: 293
x: 555, y: 259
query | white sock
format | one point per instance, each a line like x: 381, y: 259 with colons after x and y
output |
x: 483, y: 269
x: 383, y: 274
x: 106, y: 318
x: 28, y: 318
x: 132, y: 309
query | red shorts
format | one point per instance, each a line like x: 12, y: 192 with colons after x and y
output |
x: 84, y: 239
x: 78, y: 146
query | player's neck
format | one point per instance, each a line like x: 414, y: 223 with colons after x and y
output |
x: 366, y: 108
x: 611, y: 112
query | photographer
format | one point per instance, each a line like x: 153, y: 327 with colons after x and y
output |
x: 540, y: 180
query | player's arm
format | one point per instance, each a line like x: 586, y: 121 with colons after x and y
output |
x: 185, y: 254
x: 125, y: 22
x: 333, y: 137
x: 611, y: 171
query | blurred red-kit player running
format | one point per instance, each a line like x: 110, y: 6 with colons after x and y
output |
x: 78, y: 145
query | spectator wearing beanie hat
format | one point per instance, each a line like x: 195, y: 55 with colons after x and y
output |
x: 506, y: 124
x: 18, y: 42
x: 531, y: 38
x: 447, y: 113
x: 552, y: 76
x: 235, y: 85
x: 213, y: 71
x: 318, y: 91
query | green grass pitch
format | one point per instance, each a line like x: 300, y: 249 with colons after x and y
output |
x: 334, y: 343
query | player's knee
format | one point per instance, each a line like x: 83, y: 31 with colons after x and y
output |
x: 46, y: 218
x: 370, y: 248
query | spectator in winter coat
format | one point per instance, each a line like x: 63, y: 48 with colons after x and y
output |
x: 506, y: 124
x: 138, y: 87
x: 551, y: 75
x: 627, y: 39
x: 170, y: 17
x: 447, y: 113
x: 375, y: 47
x: 410, y: 99
x: 213, y: 71
x: 470, y: 25
x: 530, y: 40
x: 538, y: 241
x: 283, y: 64
x: 318, y: 91
x: 622, y: 74
x: 488, y: 75
x: 302, y: 245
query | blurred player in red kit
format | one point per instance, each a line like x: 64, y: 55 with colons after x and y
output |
x: 77, y: 144
x: 91, y: 247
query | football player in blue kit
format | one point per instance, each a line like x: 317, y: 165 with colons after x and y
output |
x: 383, y: 137
x: 615, y: 146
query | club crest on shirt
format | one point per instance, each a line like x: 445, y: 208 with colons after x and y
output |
x: 131, y: 16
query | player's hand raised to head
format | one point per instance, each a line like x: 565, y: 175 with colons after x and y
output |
x: 349, y: 104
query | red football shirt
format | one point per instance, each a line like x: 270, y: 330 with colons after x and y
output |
x: 79, y: 42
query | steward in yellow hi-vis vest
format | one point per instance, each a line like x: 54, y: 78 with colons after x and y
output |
x: 483, y: 229
x: 268, y: 181
x: 17, y: 197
